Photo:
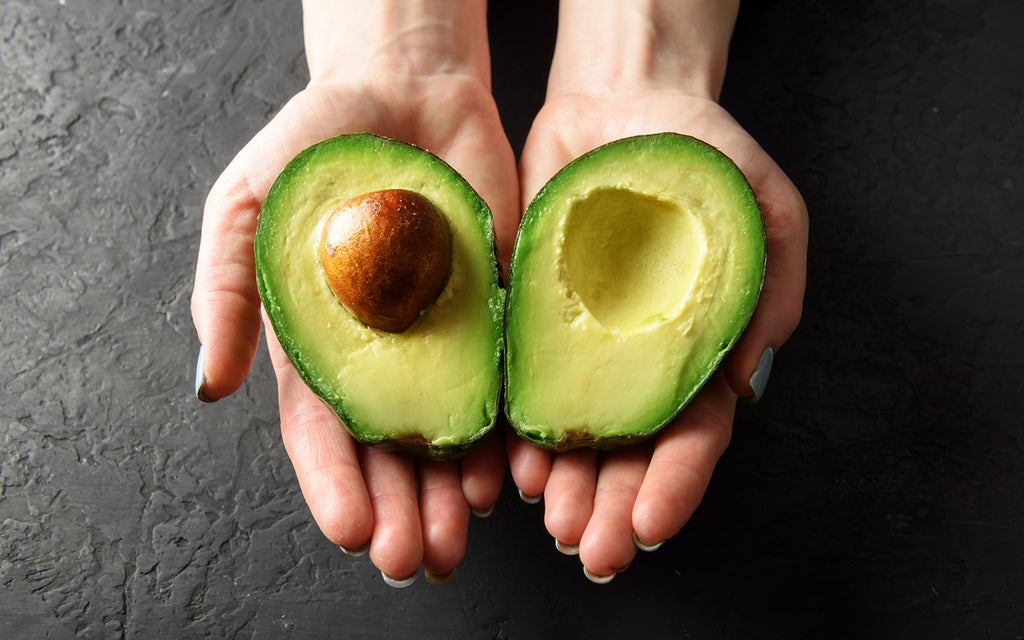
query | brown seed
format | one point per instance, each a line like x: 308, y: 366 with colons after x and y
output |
x: 386, y: 255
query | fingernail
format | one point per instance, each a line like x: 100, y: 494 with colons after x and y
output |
x: 759, y: 379
x: 596, y: 579
x: 483, y: 513
x: 396, y: 583
x: 355, y: 553
x: 567, y: 549
x: 643, y: 546
x: 201, y: 378
x: 441, y: 579
x: 529, y: 499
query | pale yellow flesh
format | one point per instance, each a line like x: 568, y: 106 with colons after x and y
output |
x: 423, y: 381
x: 642, y: 261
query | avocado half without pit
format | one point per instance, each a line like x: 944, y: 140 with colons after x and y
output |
x: 375, y: 263
x: 636, y: 269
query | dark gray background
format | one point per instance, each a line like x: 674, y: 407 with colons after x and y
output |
x: 875, y: 492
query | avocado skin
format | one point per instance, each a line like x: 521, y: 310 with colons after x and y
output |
x: 568, y: 439
x: 577, y: 440
x: 412, y: 443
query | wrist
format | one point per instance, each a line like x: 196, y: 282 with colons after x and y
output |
x: 618, y: 47
x: 350, y: 40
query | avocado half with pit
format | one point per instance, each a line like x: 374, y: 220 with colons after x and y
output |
x: 376, y: 266
x: 636, y: 269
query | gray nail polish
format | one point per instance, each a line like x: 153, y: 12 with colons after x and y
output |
x: 355, y: 553
x: 529, y: 499
x: 483, y: 513
x: 201, y: 378
x: 596, y: 579
x: 438, y: 580
x: 399, y: 584
x: 644, y: 546
x: 759, y: 379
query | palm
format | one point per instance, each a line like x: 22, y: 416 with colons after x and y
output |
x: 415, y: 513
x: 599, y: 502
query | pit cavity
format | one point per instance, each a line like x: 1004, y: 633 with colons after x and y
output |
x: 631, y: 257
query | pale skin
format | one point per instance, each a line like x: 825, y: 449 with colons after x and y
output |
x: 628, y: 68
x: 419, y: 72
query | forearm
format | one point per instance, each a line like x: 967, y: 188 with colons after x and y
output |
x: 617, y: 46
x: 367, y: 39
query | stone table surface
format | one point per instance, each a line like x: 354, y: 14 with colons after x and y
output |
x: 876, y: 491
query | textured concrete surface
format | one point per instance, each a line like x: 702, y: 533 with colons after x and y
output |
x: 875, y: 492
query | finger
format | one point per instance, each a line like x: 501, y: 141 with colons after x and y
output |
x: 397, y: 545
x: 324, y: 457
x: 569, y: 497
x: 444, y: 513
x: 607, y: 546
x: 530, y: 466
x: 684, y: 456
x: 225, y: 302
x: 483, y: 473
x: 781, y: 302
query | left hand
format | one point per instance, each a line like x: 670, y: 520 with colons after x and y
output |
x: 607, y: 505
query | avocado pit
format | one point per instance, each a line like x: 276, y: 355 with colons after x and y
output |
x: 386, y: 255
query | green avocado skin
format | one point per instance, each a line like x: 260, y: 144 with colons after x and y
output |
x: 552, y: 376
x: 382, y: 387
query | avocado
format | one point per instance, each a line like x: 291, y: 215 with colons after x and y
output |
x: 635, y: 270
x: 376, y: 265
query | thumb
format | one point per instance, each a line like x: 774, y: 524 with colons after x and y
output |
x: 779, y: 309
x: 225, y: 302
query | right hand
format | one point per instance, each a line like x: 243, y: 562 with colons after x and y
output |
x: 412, y: 513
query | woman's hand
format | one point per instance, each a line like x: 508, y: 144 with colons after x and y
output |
x: 606, y: 505
x: 419, y: 75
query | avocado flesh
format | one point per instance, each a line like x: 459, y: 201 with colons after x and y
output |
x: 432, y: 389
x: 636, y: 269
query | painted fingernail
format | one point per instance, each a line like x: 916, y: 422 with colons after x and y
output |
x: 438, y: 579
x: 643, y: 546
x: 529, y: 499
x: 596, y: 579
x: 483, y: 513
x: 355, y: 553
x: 397, y: 583
x: 201, y: 378
x: 759, y: 379
x: 567, y: 549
